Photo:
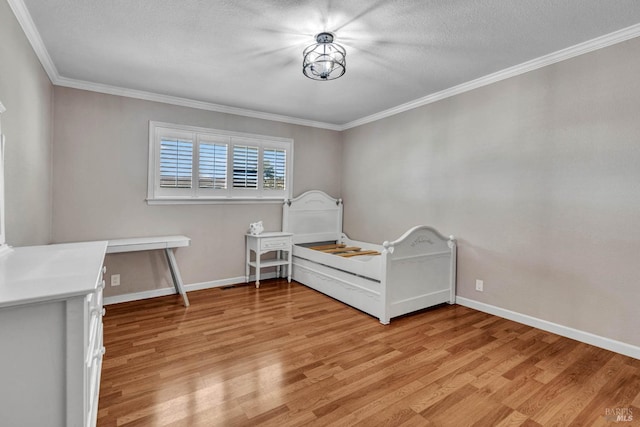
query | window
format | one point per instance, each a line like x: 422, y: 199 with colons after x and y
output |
x: 189, y: 164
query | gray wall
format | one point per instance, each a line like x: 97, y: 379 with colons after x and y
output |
x: 539, y: 178
x: 101, y: 145
x: 27, y: 94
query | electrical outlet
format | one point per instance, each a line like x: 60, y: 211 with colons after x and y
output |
x: 115, y: 280
x: 479, y: 285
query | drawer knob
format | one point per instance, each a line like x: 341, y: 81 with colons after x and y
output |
x: 103, y: 284
x: 104, y: 269
x: 97, y: 355
x: 96, y: 310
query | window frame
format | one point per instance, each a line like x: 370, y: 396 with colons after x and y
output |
x: 201, y: 135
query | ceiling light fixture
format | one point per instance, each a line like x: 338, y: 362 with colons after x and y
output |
x: 324, y: 60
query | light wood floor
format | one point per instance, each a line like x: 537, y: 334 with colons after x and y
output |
x: 287, y: 355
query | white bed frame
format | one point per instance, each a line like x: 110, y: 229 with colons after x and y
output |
x: 414, y: 272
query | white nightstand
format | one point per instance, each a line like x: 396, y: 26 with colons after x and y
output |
x: 262, y: 243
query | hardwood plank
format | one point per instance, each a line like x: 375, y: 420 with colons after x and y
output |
x: 437, y: 391
x: 436, y: 410
x: 372, y: 410
x: 285, y: 355
x: 481, y: 407
x: 518, y: 391
x: 495, y: 417
x: 514, y: 419
x: 415, y: 421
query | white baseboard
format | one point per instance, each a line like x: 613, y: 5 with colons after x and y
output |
x: 565, y: 331
x: 135, y: 296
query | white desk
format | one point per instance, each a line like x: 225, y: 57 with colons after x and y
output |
x: 268, y: 242
x: 167, y: 243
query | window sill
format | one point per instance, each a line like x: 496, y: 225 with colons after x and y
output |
x: 214, y: 201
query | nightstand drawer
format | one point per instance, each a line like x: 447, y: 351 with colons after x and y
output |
x: 271, y: 244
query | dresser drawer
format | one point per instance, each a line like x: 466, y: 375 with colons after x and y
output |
x: 279, y: 243
x: 95, y: 349
x: 95, y: 335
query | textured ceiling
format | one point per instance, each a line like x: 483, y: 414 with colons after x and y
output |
x: 248, y: 54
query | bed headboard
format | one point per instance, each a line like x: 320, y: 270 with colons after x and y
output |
x: 313, y: 216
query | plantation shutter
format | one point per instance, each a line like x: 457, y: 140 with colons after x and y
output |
x: 245, y: 167
x: 176, y: 163
x: 189, y: 164
x: 274, y: 169
x: 212, y: 165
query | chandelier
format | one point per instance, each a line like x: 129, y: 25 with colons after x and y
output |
x: 324, y: 60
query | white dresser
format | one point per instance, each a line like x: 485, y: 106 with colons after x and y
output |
x: 51, y: 334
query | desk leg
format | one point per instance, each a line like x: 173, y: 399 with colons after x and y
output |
x: 175, y: 275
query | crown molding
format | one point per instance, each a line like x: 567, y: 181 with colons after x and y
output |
x: 24, y: 18
x: 534, y: 64
x: 185, y: 102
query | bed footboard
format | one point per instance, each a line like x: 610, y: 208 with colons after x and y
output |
x: 419, y: 271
